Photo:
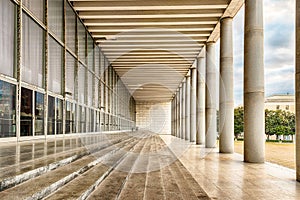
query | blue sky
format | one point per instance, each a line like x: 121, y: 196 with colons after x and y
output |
x: 279, y: 33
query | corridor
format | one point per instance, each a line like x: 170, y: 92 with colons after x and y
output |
x: 136, y: 165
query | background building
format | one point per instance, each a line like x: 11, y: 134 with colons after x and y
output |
x: 281, y: 102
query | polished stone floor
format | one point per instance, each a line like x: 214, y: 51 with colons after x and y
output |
x: 138, y: 165
x: 226, y: 176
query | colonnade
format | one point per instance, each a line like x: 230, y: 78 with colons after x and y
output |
x: 194, y: 106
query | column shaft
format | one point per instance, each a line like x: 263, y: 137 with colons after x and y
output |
x: 193, y: 104
x: 200, y: 137
x: 172, y: 117
x: 210, y: 94
x: 183, y: 110
x: 187, y: 107
x: 254, y: 116
x: 297, y: 88
x: 178, y: 113
x: 226, y: 103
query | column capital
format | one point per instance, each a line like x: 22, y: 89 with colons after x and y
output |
x: 210, y: 43
x: 200, y: 56
x: 226, y: 17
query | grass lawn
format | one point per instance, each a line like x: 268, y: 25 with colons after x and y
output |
x: 278, y: 153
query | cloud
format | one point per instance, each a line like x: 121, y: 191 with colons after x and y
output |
x: 279, y: 34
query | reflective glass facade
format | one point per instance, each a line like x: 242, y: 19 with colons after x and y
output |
x: 55, y: 80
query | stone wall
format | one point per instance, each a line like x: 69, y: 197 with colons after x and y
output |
x: 155, y: 117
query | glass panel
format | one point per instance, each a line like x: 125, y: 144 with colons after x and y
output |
x: 102, y: 121
x: 39, y: 114
x: 92, y: 120
x: 36, y: 7
x: 33, y: 53
x: 82, y: 120
x: 102, y: 65
x: 59, y: 116
x: 26, y: 112
x: 88, y: 128
x: 81, y: 84
x: 55, y: 17
x: 90, y: 88
x: 73, y: 117
x: 97, y: 61
x: 51, y: 115
x: 96, y: 93
x: 81, y: 41
x: 70, y: 72
x: 70, y: 27
x: 7, y: 37
x: 68, y: 116
x: 106, y: 122
x: 7, y: 109
x: 102, y: 90
x: 90, y: 52
x: 97, y: 121
x: 55, y: 66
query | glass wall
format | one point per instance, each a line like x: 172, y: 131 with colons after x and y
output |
x: 51, y: 115
x: 7, y: 109
x: 33, y: 53
x: 84, y: 93
x: 7, y: 37
x: 26, y: 112
x: 55, y: 66
x: 39, y: 114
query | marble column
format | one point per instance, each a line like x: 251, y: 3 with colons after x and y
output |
x: 210, y: 97
x: 200, y: 137
x: 254, y: 115
x: 187, y: 106
x: 193, y: 104
x: 183, y: 109
x: 172, y: 116
x: 178, y: 113
x: 226, y: 102
x: 175, y: 114
x: 297, y: 88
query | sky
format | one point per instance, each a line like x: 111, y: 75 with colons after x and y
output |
x: 279, y: 39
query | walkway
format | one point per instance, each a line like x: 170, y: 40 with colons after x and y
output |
x: 226, y: 176
x: 106, y: 166
x: 137, y: 165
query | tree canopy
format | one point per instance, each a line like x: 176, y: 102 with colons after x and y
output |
x: 277, y: 122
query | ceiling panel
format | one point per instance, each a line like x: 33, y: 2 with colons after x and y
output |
x: 152, y: 44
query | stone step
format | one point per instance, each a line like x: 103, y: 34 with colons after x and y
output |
x: 198, y: 191
x: 113, y: 186
x: 40, y: 168
x: 154, y: 187
x: 79, y: 188
x: 47, y: 183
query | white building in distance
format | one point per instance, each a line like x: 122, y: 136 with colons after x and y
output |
x: 281, y: 102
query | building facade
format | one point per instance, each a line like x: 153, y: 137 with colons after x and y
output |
x: 281, y: 102
x: 54, y: 79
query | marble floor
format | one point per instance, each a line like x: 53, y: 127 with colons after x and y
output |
x: 125, y: 166
x: 226, y: 176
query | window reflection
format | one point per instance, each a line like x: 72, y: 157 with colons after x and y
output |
x: 73, y: 122
x: 82, y: 119
x: 26, y: 112
x: 7, y: 109
x: 68, y: 117
x: 59, y: 116
x: 51, y: 115
x: 39, y: 114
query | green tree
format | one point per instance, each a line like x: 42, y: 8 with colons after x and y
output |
x: 238, y: 121
x: 277, y: 122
